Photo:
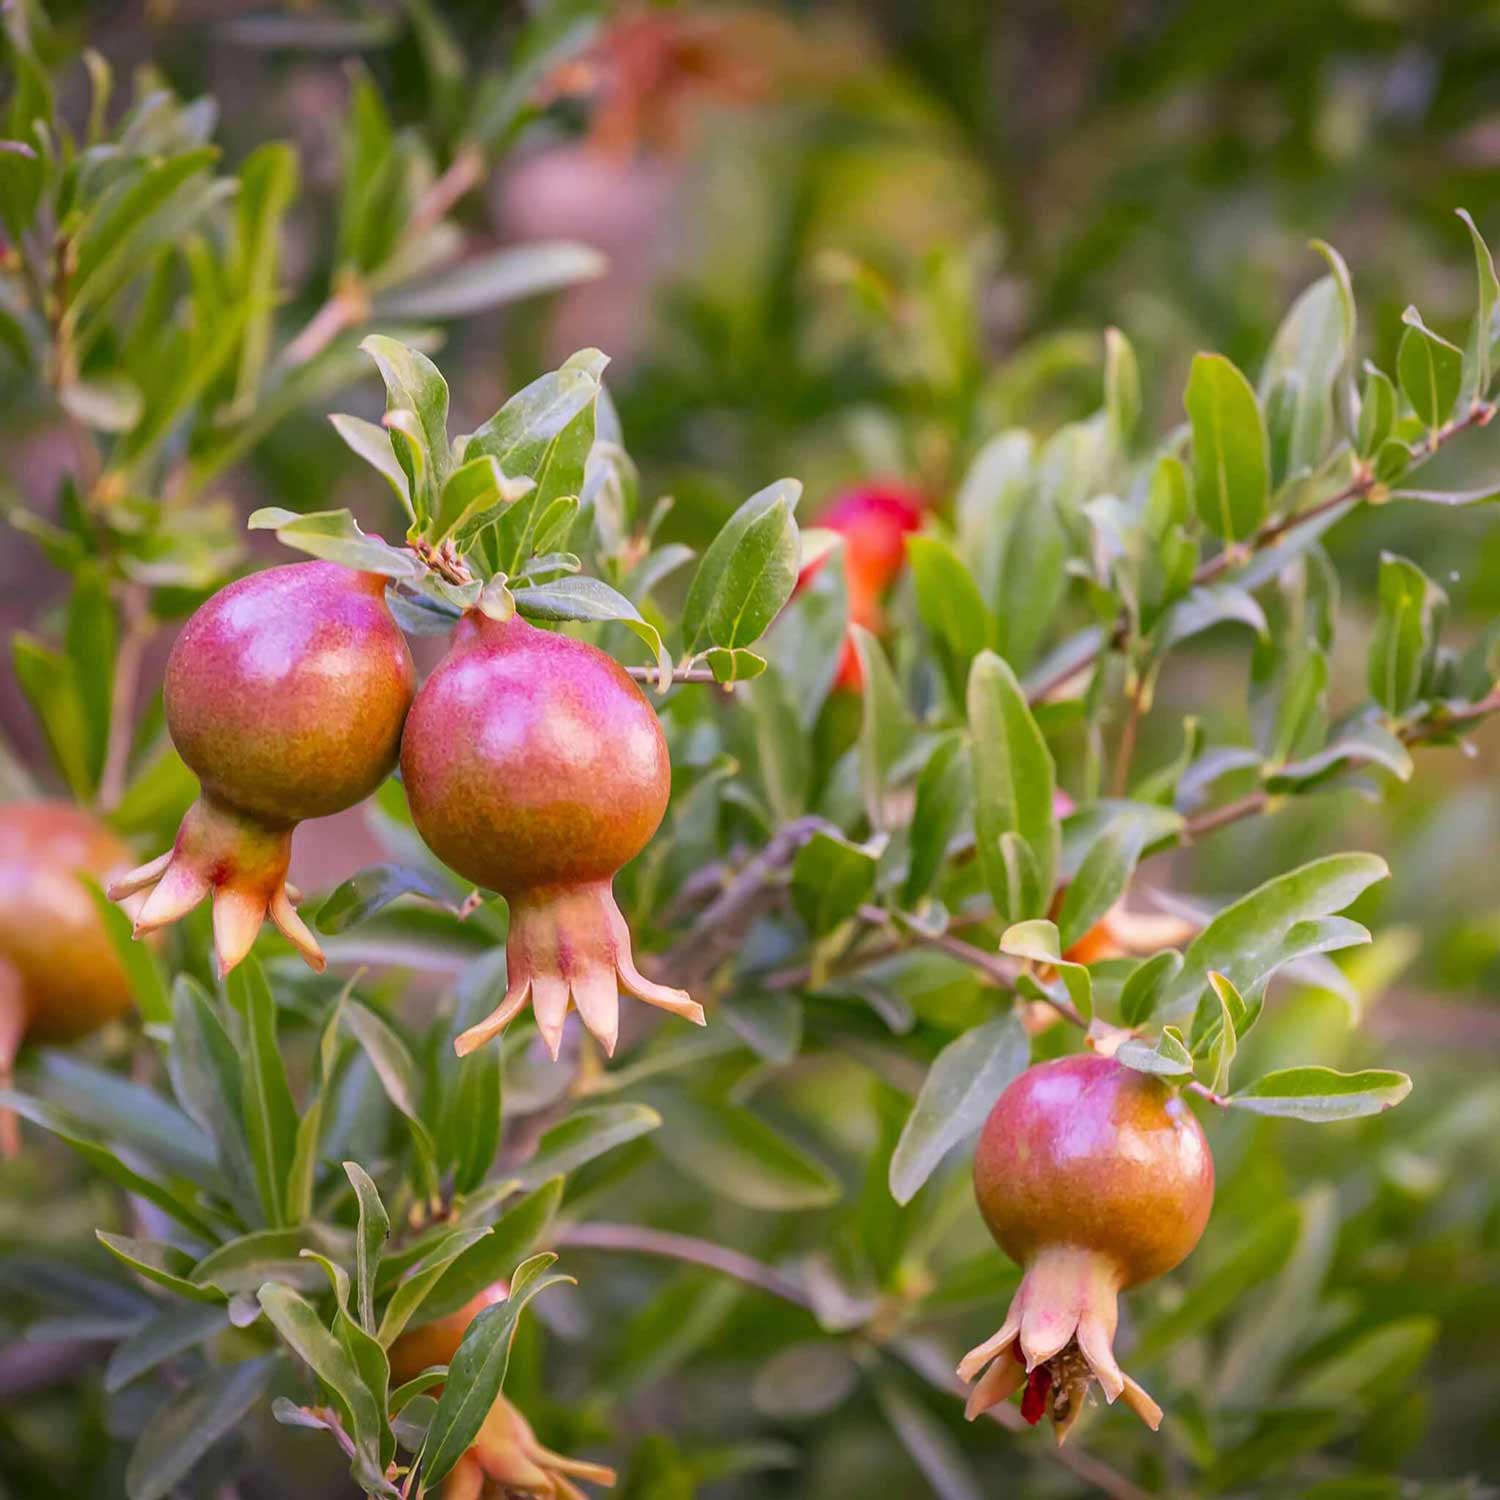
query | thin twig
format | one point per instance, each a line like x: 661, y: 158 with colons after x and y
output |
x: 663, y: 1245
x: 1361, y: 487
x: 140, y: 626
x: 682, y: 674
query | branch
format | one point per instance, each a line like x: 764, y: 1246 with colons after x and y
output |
x: 139, y: 628
x: 630, y: 1239
x: 1361, y: 487
x: 682, y: 674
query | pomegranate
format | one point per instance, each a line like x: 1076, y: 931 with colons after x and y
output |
x: 506, y: 1458
x: 60, y: 977
x: 436, y: 1343
x: 285, y: 693
x: 874, y: 520
x: 536, y: 768
x: 1093, y: 1178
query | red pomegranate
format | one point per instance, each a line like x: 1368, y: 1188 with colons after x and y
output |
x: 536, y: 768
x: 1093, y: 1178
x: 874, y: 520
x: 285, y: 693
x: 60, y: 977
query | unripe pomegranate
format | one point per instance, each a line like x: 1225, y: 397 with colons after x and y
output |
x: 436, y: 1343
x: 285, y: 693
x: 506, y: 1458
x: 60, y: 977
x: 1093, y: 1178
x: 874, y: 520
x: 536, y: 768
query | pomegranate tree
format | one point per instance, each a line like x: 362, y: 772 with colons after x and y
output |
x: 536, y: 768
x: 285, y: 693
x: 60, y: 977
x: 1093, y: 1178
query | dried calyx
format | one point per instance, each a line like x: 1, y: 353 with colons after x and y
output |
x: 536, y: 768
x: 286, y: 693
x: 1093, y: 1178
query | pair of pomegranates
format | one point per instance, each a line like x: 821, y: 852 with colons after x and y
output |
x: 533, y: 764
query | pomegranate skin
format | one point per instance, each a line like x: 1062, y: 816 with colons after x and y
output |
x: 287, y: 690
x: 60, y: 977
x: 1093, y: 1178
x: 71, y: 980
x: 1087, y: 1152
x: 286, y: 693
x: 535, y: 767
x: 532, y: 759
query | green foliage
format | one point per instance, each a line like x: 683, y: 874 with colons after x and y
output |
x: 885, y: 904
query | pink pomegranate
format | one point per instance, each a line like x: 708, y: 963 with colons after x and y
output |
x: 1093, y: 1178
x: 286, y: 693
x: 536, y: 768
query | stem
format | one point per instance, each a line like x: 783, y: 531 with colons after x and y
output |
x: 139, y: 628
x: 1125, y: 751
x: 1361, y: 487
x: 682, y: 674
x: 630, y: 1239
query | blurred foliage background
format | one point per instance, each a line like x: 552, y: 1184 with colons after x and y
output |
x: 846, y: 241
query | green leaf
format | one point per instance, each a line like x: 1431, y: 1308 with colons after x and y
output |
x: 51, y: 687
x: 961, y: 1087
x: 945, y: 798
x: 189, y: 1422
x: 1101, y: 879
x: 414, y: 384
x: 297, y: 1322
x: 831, y: 879
x: 170, y: 1333
x: 246, y: 1263
x: 543, y: 433
x: 163, y: 1264
x: 412, y: 1290
x: 581, y: 598
x: 1122, y: 388
x: 736, y: 1155
x: 493, y: 279
x: 474, y: 494
x: 1377, y: 412
x: 105, y: 1162
x: 374, y: 445
x: 1142, y: 992
x: 778, y: 752
x: 770, y: 1024
x: 1404, y: 642
x: 476, y: 1373
x: 1014, y: 783
x: 1321, y: 1094
x: 494, y: 1258
x: 885, y: 726
x: 334, y: 535
x: 1249, y: 940
x: 1477, y: 355
x: 1233, y: 1014
x: 585, y: 1134
x: 1307, y: 355
x: 1037, y: 942
x: 1169, y: 1058
x: 143, y: 970
x: 373, y: 889
x: 397, y: 1071
x: 747, y: 573
x: 1430, y: 370
x: 929, y: 1442
x: 733, y: 664
x: 369, y: 1240
x: 1231, y: 459
x: 948, y: 599
x: 270, y: 1115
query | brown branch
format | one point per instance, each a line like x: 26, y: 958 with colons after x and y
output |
x: 1361, y: 487
x: 631, y: 1239
x: 682, y: 674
